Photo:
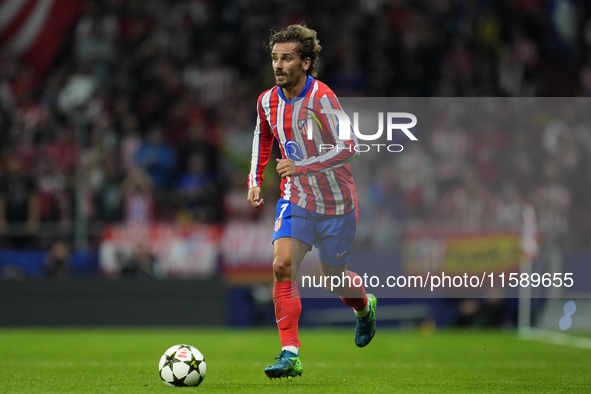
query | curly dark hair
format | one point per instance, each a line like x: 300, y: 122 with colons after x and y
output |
x: 308, y: 44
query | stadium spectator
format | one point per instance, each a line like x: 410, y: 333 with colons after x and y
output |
x: 139, y: 264
x: 54, y: 199
x: 108, y: 196
x: 19, y: 206
x: 197, y: 143
x: 91, y: 160
x: 157, y: 157
x: 58, y: 261
x: 196, y: 191
x: 139, y: 201
x: 130, y: 142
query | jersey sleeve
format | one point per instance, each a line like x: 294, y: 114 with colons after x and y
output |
x: 262, y: 144
x: 342, y: 151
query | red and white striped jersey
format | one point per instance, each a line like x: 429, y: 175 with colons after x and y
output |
x: 323, y: 182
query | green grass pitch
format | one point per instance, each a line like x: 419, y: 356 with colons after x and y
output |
x: 125, y: 361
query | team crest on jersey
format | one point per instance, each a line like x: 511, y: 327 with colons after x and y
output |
x: 307, y: 118
x: 278, y: 224
x: 303, y: 125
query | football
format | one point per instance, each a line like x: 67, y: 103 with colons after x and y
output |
x: 182, y: 366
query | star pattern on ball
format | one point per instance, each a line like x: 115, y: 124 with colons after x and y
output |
x: 182, y: 366
x: 169, y: 361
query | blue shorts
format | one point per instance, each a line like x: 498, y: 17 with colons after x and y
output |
x: 331, y: 234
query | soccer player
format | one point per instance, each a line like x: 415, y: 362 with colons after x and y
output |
x: 318, y: 204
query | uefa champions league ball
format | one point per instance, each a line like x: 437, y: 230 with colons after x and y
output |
x: 182, y: 366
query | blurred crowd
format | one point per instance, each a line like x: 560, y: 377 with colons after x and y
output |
x: 148, y: 111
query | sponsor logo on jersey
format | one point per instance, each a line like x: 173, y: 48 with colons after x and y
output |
x: 293, y: 150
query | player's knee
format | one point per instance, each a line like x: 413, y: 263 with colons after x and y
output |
x: 282, y: 268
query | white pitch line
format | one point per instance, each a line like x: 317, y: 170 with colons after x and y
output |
x: 556, y: 338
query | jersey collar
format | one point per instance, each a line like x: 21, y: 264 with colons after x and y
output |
x: 302, y: 93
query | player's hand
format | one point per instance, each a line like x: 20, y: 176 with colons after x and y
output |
x: 285, y: 167
x: 254, y: 197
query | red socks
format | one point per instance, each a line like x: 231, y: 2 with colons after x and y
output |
x: 288, y: 308
x: 355, y: 296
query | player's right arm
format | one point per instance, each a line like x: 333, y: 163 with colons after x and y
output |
x: 254, y: 197
x: 262, y: 144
